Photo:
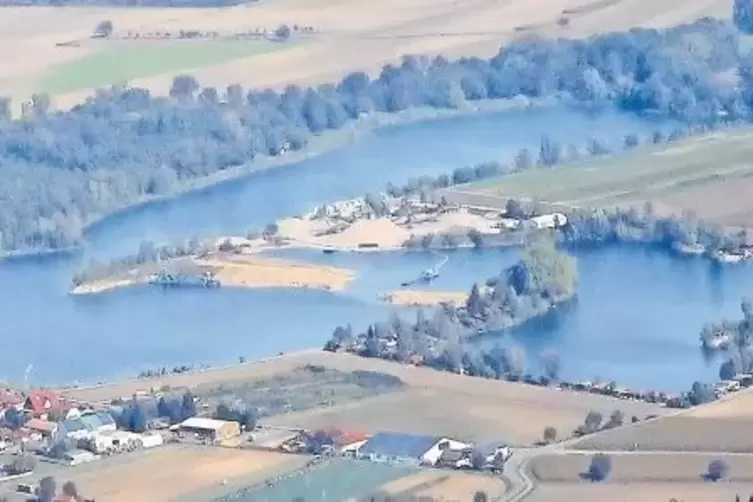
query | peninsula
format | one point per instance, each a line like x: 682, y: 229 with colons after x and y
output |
x: 227, y: 268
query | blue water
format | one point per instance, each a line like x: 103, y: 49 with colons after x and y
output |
x: 622, y: 326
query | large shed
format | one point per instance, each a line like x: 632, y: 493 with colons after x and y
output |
x: 397, y: 447
x: 209, y: 428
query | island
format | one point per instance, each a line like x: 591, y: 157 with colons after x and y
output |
x: 542, y: 281
x: 212, y: 269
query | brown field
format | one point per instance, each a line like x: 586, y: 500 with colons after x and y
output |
x: 722, y: 426
x: 708, y: 175
x: 445, y: 486
x: 174, y: 471
x: 640, y: 492
x: 643, y: 467
x: 353, y: 34
x: 434, y: 403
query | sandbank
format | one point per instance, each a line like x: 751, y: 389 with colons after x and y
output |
x: 424, y: 298
x: 245, y: 271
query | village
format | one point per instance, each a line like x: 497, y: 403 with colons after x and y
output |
x: 41, y: 427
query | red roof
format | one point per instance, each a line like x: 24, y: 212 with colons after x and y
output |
x: 10, y: 397
x: 41, y: 401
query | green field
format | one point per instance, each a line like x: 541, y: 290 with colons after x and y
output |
x: 339, y: 480
x: 645, y: 174
x: 145, y: 59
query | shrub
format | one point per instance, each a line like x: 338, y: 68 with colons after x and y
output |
x: 717, y: 470
x: 601, y: 466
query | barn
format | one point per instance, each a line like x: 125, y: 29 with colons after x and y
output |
x: 397, y: 447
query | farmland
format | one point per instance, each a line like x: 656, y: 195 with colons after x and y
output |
x: 175, y: 471
x: 641, y: 492
x: 445, y: 486
x: 126, y: 61
x: 430, y: 402
x: 338, y: 479
x: 643, y: 467
x: 709, y: 175
x: 716, y: 427
x: 349, y: 35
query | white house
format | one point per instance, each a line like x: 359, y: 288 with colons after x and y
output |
x: 554, y: 220
x: 431, y: 457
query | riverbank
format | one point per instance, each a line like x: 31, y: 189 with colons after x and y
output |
x: 231, y: 270
x: 317, y: 144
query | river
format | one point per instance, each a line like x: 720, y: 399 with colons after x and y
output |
x: 623, y: 327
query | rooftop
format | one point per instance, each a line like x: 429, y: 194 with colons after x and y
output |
x: 202, y: 423
x: 398, y: 444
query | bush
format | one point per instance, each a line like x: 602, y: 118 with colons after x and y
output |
x: 550, y: 434
x: 717, y: 470
x: 600, y: 467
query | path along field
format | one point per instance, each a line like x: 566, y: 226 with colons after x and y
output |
x: 351, y: 35
x: 640, y: 492
x: 710, y: 175
x: 433, y: 403
x: 173, y: 471
x: 447, y: 486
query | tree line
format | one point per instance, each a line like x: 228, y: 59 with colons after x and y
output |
x: 538, y: 283
x: 62, y: 170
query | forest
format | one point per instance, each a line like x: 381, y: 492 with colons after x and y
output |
x: 60, y: 171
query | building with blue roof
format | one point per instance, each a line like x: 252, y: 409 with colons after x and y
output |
x: 397, y: 447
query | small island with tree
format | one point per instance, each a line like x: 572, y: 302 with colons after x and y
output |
x: 543, y: 279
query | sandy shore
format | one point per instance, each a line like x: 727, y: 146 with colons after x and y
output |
x: 424, y: 298
x: 245, y: 271
x: 379, y: 234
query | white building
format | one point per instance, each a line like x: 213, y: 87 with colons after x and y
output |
x: 151, y: 440
x: 554, y: 220
x: 431, y: 457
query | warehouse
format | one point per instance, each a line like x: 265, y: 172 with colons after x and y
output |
x: 209, y: 428
x: 397, y: 447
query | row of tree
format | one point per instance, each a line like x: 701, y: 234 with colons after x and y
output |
x: 539, y: 282
x: 62, y: 170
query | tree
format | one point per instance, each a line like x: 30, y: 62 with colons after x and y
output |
x: 476, y: 238
x: 283, y: 32
x: 514, y: 209
x: 188, y: 405
x: 478, y: 460
x: 71, y: 490
x: 550, y: 434
x: 552, y: 365
x: 103, y: 29
x: 717, y: 469
x: 6, y: 113
x: 184, y: 86
x: 600, y: 467
x: 480, y: 497
x: 592, y: 421
x: 742, y: 15
x: 616, y: 419
x: 47, y: 489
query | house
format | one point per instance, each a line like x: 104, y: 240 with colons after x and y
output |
x: 98, y: 421
x: 45, y: 428
x: 454, y: 459
x: 432, y: 456
x: 495, y: 453
x: 209, y: 428
x: 73, y: 429
x: 41, y: 402
x: 553, y: 220
x: 396, y: 447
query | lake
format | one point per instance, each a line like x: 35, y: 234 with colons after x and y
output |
x: 636, y: 309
